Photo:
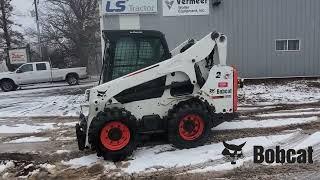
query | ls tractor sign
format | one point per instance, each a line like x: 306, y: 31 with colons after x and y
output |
x: 116, y: 7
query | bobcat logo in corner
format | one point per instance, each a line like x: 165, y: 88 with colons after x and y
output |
x: 233, y: 151
x: 169, y: 4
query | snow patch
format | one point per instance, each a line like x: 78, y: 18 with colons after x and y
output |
x: 68, y: 124
x: 82, y: 161
x: 28, y: 166
x: 154, y: 158
x: 147, y: 158
x: 310, y: 141
x: 66, y: 138
x: 66, y: 105
x: 291, y: 92
x: 29, y: 140
x: 6, y: 165
x: 244, y: 124
x: 221, y: 167
x: 250, y: 108
x: 49, y: 167
x: 62, y: 151
x: 25, y: 128
x: 288, y: 114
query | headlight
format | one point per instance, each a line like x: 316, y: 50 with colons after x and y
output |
x: 87, y: 95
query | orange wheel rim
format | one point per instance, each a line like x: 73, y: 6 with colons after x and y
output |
x: 115, y: 136
x: 191, y: 127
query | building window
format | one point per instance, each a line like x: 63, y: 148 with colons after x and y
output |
x: 287, y: 45
x: 293, y: 45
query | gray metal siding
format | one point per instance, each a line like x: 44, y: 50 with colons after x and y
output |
x: 252, y: 26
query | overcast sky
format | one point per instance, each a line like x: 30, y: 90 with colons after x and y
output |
x: 22, y: 16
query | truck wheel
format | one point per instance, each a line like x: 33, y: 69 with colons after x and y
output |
x: 72, y: 79
x: 189, y: 124
x: 113, y: 134
x: 8, y: 85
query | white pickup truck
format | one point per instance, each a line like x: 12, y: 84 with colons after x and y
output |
x: 40, y: 72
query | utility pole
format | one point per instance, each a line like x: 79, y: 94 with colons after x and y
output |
x: 38, y: 28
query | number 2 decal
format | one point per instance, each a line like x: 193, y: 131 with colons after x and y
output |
x: 218, y: 75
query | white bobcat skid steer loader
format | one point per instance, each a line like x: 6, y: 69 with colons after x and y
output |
x: 145, y: 89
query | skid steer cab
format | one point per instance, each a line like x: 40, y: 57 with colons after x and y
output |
x: 146, y: 89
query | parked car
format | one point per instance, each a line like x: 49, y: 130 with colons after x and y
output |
x: 40, y: 72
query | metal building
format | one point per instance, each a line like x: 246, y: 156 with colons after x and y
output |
x: 266, y: 38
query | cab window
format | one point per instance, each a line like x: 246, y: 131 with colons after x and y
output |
x: 26, y: 68
x: 132, y: 54
x: 41, y: 67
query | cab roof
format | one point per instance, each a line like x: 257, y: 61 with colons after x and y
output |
x: 113, y: 34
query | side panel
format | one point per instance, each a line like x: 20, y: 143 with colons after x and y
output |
x: 218, y: 89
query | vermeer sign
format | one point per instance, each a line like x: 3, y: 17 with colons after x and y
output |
x: 116, y: 7
x: 185, y: 7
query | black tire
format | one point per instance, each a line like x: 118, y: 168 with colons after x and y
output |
x: 102, y: 120
x: 193, y: 108
x: 8, y: 85
x: 72, y: 79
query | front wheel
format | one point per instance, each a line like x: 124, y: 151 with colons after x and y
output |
x: 7, y: 86
x: 113, y: 134
x: 189, y: 124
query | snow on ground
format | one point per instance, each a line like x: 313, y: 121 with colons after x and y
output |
x: 25, y: 128
x: 68, y: 124
x: 148, y: 159
x: 280, y: 114
x: 49, y: 167
x: 243, y: 108
x: 67, y: 105
x: 221, y: 167
x: 243, y: 124
x: 66, y: 138
x: 86, y: 161
x: 6, y: 165
x: 290, y: 92
x: 42, y: 88
x: 61, y: 151
x: 310, y: 141
x: 55, y: 100
x: 29, y: 140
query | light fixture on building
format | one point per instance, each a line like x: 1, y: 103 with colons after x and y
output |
x: 216, y: 3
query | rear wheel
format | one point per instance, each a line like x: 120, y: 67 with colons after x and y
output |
x: 72, y: 79
x: 189, y: 124
x: 8, y: 85
x: 113, y: 134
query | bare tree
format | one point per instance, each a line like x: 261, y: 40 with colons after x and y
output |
x: 72, y: 26
x: 9, y: 38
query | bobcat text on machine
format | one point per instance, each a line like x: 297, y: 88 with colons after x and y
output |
x: 145, y: 89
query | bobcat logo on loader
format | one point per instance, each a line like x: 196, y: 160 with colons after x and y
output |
x: 233, y: 151
x: 169, y: 4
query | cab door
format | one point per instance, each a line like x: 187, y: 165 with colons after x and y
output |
x: 42, y: 72
x: 25, y: 74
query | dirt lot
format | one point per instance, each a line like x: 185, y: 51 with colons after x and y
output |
x: 271, y: 113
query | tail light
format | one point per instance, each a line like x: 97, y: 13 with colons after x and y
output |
x: 235, y: 90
